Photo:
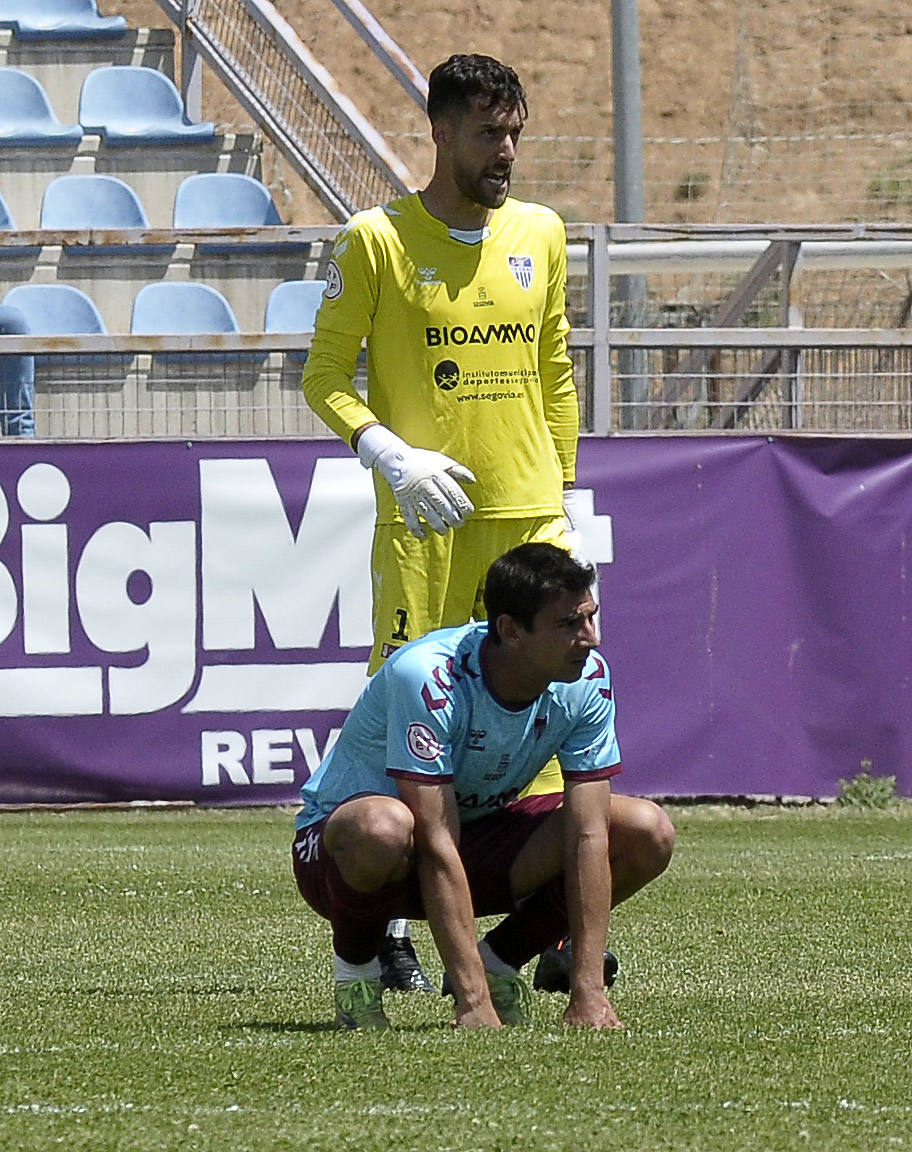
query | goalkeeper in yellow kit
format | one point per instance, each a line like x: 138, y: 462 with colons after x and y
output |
x: 471, y: 417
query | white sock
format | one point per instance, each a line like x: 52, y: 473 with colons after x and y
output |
x: 343, y: 972
x: 492, y: 962
x: 398, y: 928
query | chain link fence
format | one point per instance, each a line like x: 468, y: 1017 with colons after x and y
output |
x: 767, y: 389
x: 789, y: 111
x: 764, y: 384
x: 813, y: 124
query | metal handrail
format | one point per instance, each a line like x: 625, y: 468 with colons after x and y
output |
x: 266, y: 234
x: 295, y: 100
x: 385, y: 48
x: 581, y: 337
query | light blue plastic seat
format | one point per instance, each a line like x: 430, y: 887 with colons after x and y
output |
x: 292, y: 307
x: 26, y: 117
x: 58, y: 20
x: 56, y: 310
x: 91, y: 201
x: 170, y: 308
x: 130, y: 105
x: 17, y: 378
x: 60, y: 310
x: 7, y: 224
x: 223, y: 200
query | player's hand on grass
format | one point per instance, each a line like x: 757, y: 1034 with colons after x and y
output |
x: 481, y: 1016
x: 426, y: 484
x: 591, y: 1012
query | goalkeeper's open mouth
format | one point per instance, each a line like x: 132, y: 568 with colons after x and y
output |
x: 498, y: 178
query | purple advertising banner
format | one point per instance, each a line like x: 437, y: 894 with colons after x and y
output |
x: 190, y: 621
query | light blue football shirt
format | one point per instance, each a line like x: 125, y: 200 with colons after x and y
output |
x: 427, y: 715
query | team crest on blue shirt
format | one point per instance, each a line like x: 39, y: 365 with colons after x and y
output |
x: 523, y: 269
x: 423, y: 743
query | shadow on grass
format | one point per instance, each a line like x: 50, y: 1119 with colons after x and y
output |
x: 278, y: 1026
x: 315, y: 1027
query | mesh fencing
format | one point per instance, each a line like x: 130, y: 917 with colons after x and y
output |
x: 785, y: 110
x: 112, y: 396
x: 831, y: 298
x: 289, y: 105
x: 790, y: 111
x: 814, y: 125
x: 826, y: 390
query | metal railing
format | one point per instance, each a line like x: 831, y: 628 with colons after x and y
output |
x: 294, y: 99
x: 763, y: 376
x: 823, y: 380
x: 248, y: 385
x: 388, y: 52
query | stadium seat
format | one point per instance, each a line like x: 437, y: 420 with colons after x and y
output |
x: 58, y: 20
x: 26, y: 117
x: 7, y: 223
x: 131, y: 105
x: 17, y: 378
x: 292, y: 307
x: 172, y: 308
x: 56, y: 310
x: 63, y: 310
x: 223, y: 200
x: 91, y: 201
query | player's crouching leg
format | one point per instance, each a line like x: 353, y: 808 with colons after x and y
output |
x: 642, y: 839
x: 352, y: 869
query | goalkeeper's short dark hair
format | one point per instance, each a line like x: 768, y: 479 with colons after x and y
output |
x: 454, y: 84
x: 522, y: 581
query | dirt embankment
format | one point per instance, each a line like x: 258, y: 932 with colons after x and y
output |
x: 795, y: 70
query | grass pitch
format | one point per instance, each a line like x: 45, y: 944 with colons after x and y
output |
x: 163, y: 987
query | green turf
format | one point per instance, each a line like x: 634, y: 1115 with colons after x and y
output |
x: 163, y: 987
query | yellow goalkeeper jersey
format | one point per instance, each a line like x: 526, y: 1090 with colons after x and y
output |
x: 466, y: 348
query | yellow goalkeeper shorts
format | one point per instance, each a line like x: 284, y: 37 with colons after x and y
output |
x: 438, y: 582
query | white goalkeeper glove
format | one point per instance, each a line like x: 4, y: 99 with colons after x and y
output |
x: 577, y: 504
x: 423, y: 482
x: 574, y: 502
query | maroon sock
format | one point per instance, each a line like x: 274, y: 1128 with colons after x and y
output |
x: 540, y: 920
x: 359, y: 919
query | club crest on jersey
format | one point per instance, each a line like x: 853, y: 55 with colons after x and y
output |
x: 523, y: 269
x: 422, y: 743
x: 335, y: 285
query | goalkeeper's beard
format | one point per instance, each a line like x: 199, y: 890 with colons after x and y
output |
x: 489, y: 188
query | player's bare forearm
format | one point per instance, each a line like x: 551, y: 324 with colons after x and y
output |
x: 356, y: 435
x: 447, y: 899
x: 448, y: 905
x: 588, y: 885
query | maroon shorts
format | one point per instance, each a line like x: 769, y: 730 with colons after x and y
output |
x: 487, y: 847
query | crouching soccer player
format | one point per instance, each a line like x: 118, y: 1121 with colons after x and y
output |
x: 414, y: 811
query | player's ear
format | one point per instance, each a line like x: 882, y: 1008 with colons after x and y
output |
x: 507, y: 629
x: 442, y: 129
